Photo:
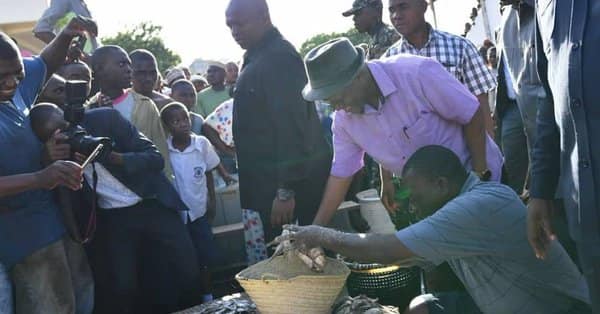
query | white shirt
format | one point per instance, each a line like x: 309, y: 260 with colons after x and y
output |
x: 510, y: 89
x: 125, y: 106
x: 111, y: 192
x: 189, y: 167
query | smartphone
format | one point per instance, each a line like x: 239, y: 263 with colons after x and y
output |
x: 80, y: 41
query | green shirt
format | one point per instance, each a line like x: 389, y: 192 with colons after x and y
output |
x: 209, y: 99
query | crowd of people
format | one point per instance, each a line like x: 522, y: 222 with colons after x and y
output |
x: 108, y: 170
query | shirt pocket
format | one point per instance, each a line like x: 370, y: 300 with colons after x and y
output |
x: 419, y: 132
x: 198, y: 174
x: 451, y: 64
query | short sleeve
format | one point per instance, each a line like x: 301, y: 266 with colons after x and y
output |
x: 454, y: 231
x: 477, y: 77
x: 210, y: 155
x: 56, y: 10
x: 221, y: 121
x: 347, y: 155
x: 35, y: 76
x: 449, y: 98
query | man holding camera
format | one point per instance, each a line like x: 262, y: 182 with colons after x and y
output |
x: 32, y: 248
x: 137, y: 211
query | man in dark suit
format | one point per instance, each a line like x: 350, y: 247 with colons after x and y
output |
x: 566, y: 155
x: 137, y: 208
x: 283, y: 157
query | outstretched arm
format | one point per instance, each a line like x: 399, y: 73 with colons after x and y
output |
x: 54, y: 55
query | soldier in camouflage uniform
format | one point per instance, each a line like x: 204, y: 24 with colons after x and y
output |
x: 367, y: 16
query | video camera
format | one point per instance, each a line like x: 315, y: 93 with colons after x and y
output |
x: 79, y: 140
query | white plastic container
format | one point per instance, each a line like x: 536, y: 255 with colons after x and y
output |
x: 373, y: 211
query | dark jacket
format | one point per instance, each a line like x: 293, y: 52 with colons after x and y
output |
x: 277, y: 133
x: 567, y: 153
x: 142, y: 172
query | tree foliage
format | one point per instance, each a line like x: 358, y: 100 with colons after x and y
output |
x: 145, y: 36
x: 355, y: 37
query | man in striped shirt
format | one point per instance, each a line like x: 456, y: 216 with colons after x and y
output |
x: 458, y: 55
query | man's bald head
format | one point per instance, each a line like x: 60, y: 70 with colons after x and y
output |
x: 12, y: 71
x: 54, y: 91
x: 408, y: 17
x: 103, y: 54
x: 145, y: 71
x: 142, y: 55
x: 45, y: 119
x: 248, y: 20
x: 112, y: 67
x: 254, y: 8
x: 8, y: 48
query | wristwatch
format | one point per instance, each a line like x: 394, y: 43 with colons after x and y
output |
x: 284, y: 195
x: 484, y: 175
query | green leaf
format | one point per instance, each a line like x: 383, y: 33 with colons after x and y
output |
x: 146, y: 36
x: 355, y: 37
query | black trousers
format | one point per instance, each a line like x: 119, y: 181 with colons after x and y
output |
x: 119, y: 251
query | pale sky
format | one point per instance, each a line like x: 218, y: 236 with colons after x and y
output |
x: 196, y: 28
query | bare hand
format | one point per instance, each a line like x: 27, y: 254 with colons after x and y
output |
x: 539, y: 228
x: 79, y: 25
x: 282, y: 212
x: 105, y: 101
x: 304, y: 237
x: 62, y: 172
x: 388, y: 194
x: 76, y: 53
x: 80, y: 158
x: 229, y: 180
x: 56, y: 148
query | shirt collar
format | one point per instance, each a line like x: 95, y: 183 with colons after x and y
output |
x: 471, y: 181
x: 121, y: 98
x: 269, y: 36
x: 383, y: 81
x: 430, y: 38
x: 194, y: 145
x: 376, y: 28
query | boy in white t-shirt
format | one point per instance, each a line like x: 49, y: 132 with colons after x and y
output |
x: 193, y: 158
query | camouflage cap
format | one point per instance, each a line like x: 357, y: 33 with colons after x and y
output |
x: 360, y: 4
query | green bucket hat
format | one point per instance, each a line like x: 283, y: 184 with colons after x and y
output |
x: 330, y: 67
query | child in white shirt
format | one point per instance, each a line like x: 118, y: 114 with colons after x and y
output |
x: 193, y: 158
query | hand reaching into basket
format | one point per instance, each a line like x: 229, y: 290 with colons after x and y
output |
x: 293, y: 240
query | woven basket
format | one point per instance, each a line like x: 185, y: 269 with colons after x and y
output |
x: 281, y: 286
x: 390, y: 284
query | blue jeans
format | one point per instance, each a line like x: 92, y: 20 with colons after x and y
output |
x: 513, y: 142
x: 6, y: 296
x: 204, y: 242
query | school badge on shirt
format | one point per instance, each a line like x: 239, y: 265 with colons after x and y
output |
x: 198, y: 172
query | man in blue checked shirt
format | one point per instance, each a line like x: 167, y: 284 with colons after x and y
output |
x: 458, y: 55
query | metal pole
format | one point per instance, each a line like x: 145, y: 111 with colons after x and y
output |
x: 486, y: 19
x: 432, y: 5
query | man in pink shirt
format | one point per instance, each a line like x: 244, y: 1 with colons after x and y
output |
x: 390, y: 109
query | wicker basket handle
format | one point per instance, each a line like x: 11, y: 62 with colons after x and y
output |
x: 269, y: 276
